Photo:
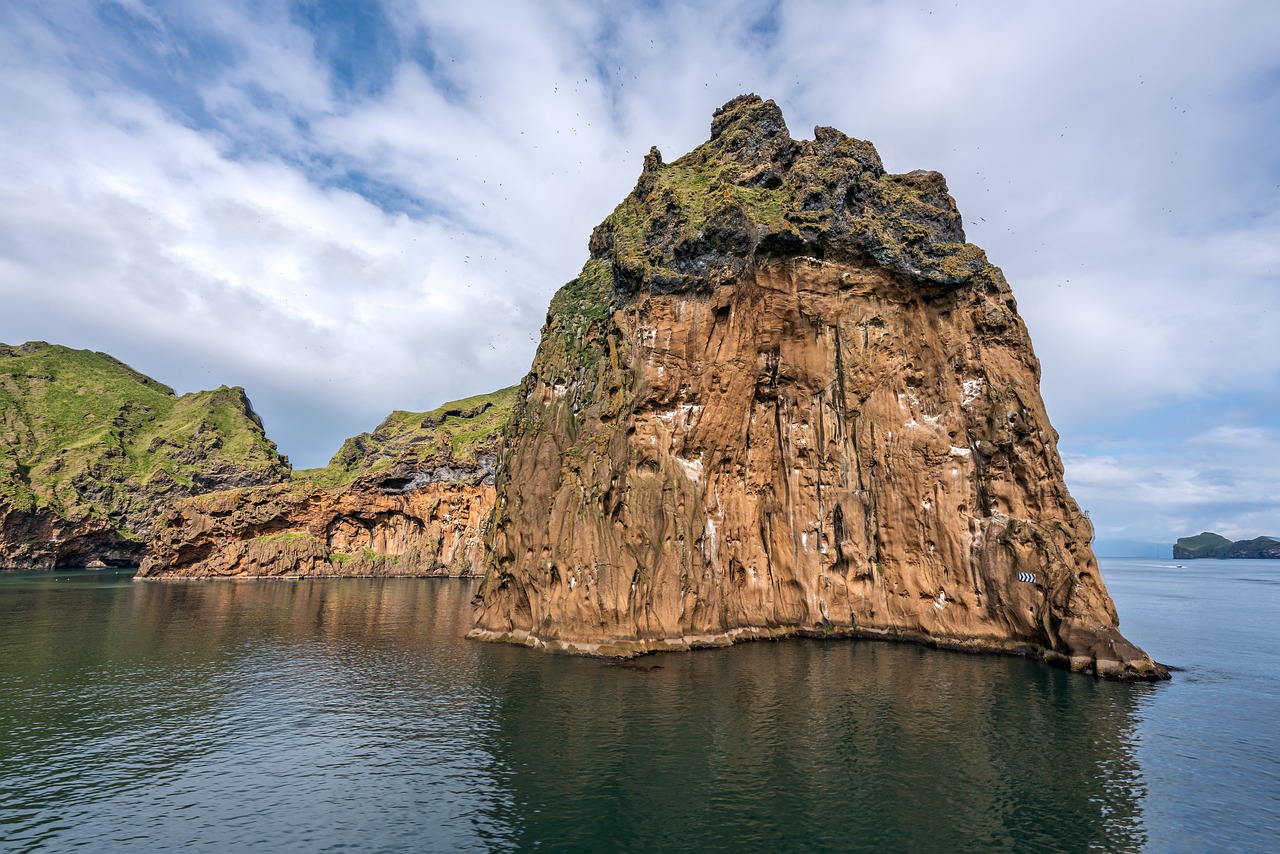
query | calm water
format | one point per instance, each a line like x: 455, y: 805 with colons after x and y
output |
x: 350, y: 714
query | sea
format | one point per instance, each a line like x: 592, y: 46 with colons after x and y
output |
x: 352, y: 715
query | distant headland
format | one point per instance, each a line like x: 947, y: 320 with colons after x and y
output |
x: 1209, y: 544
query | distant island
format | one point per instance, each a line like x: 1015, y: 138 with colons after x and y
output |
x: 1209, y: 544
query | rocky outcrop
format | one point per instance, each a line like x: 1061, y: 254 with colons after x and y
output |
x: 785, y: 397
x: 412, y: 498
x: 361, y: 530
x: 91, y: 452
x: 1211, y: 545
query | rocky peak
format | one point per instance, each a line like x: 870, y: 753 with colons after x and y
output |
x: 785, y: 397
x: 753, y: 192
x: 751, y: 131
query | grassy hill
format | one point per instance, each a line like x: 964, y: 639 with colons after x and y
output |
x: 459, y: 431
x: 410, y: 497
x: 1209, y: 544
x: 91, y: 451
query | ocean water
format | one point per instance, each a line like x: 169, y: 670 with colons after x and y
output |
x: 351, y: 715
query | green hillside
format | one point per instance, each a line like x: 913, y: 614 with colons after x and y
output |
x: 1209, y: 544
x: 87, y: 444
x: 460, y: 430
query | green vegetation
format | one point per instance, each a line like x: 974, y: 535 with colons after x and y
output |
x: 753, y: 189
x: 1211, y: 545
x: 84, y: 435
x: 285, y: 537
x: 1206, y: 544
x: 460, y: 431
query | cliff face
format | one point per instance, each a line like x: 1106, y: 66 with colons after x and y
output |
x: 91, y: 452
x: 786, y: 397
x: 411, y: 498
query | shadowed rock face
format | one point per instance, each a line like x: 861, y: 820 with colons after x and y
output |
x: 785, y: 397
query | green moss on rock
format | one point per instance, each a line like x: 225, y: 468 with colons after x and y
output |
x: 752, y: 190
x: 91, y: 450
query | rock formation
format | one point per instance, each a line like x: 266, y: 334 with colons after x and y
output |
x: 786, y: 397
x: 411, y: 498
x: 92, y: 451
x: 1209, y: 544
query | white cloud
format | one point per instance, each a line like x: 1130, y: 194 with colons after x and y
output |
x: 184, y: 193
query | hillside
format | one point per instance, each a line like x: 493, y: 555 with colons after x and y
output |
x: 91, y: 451
x: 1211, y: 545
x: 411, y: 497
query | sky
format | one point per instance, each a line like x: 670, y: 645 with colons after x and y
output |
x: 350, y: 208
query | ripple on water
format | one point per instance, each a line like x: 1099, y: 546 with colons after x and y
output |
x: 316, y: 716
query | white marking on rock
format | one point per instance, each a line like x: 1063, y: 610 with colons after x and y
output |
x: 692, y: 468
x: 960, y: 452
x: 710, y: 535
x: 972, y: 388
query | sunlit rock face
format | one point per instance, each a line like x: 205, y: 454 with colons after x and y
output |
x: 786, y: 397
x: 357, y: 530
x: 411, y: 498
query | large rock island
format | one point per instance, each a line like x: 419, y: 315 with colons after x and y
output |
x: 786, y: 397
x: 91, y: 452
x: 411, y: 498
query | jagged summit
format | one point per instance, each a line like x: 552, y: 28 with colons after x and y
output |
x: 784, y: 397
x: 752, y: 192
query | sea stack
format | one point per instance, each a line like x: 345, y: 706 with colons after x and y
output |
x: 786, y: 397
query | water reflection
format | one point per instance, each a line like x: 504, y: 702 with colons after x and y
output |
x: 817, y: 746
x: 276, y: 715
x: 320, y: 714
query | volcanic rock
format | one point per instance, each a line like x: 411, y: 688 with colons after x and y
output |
x: 91, y: 452
x: 786, y: 397
x: 412, y: 498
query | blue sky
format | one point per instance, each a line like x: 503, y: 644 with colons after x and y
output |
x: 350, y: 208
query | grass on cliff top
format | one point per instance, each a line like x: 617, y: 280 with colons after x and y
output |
x: 694, y: 188
x: 461, y: 429
x: 83, y: 432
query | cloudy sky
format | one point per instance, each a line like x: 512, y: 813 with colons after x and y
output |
x: 350, y: 208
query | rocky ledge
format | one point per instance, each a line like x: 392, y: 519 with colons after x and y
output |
x: 785, y: 397
x: 412, y: 498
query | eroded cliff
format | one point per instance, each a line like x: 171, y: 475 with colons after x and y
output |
x: 786, y: 397
x: 411, y: 498
x: 91, y: 452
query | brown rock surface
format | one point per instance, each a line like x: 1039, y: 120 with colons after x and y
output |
x: 785, y: 397
x: 413, y: 497
x: 436, y: 529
